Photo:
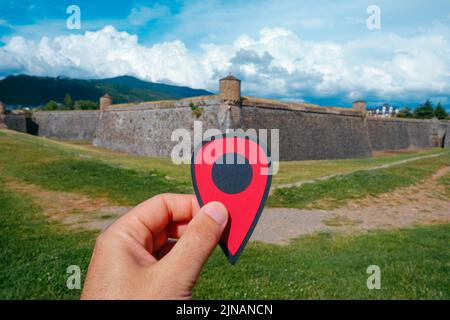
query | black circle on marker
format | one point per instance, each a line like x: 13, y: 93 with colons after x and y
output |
x: 232, y: 174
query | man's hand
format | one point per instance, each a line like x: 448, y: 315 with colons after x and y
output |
x: 135, y: 257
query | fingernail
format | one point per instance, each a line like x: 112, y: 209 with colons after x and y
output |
x: 217, y: 211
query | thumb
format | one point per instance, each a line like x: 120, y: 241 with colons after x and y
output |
x: 202, y: 234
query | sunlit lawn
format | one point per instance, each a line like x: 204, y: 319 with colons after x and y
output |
x: 35, y: 252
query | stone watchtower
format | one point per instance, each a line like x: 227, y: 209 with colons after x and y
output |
x: 105, y: 102
x: 2, y: 115
x: 230, y: 90
x: 360, y: 105
x: 230, y: 94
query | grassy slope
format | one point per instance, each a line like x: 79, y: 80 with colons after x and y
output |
x: 57, y: 167
x: 293, y: 171
x: 290, y: 171
x: 413, y: 262
x: 35, y: 253
x: 445, y: 181
x: 338, y: 190
x: 36, y: 149
x: 130, y: 179
x: 20, y: 144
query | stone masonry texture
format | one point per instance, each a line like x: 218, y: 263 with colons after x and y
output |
x: 67, y: 125
x: 305, y: 132
x: 311, y: 135
x: 395, y: 134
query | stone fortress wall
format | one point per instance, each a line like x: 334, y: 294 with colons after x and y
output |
x: 16, y: 122
x: 67, y: 125
x: 306, y: 131
x: 397, y: 134
x: 146, y: 128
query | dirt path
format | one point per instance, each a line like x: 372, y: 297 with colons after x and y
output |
x: 416, y: 205
x: 73, y: 209
x: 387, y: 165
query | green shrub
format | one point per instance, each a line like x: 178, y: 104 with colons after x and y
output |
x: 51, y: 106
x: 86, y: 105
x: 424, y: 111
x: 440, y: 112
x: 196, y: 111
x: 405, y: 113
x: 68, y: 102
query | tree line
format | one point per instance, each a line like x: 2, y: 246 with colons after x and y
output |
x: 69, y: 104
x: 424, y: 111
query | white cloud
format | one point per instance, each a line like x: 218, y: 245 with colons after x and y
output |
x: 140, y: 15
x: 104, y: 53
x: 387, y: 66
x: 275, y: 63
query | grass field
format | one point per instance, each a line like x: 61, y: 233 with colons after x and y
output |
x: 35, y: 252
x: 128, y: 180
x: 340, y: 189
x: 414, y: 262
x: 445, y: 180
x: 292, y: 171
x: 61, y: 167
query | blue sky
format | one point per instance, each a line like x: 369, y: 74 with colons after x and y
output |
x: 315, y: 51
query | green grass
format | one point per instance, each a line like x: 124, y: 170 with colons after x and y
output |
x: 445, y: 181
x: 54, y: 168
x: 340, y: 189
x: 26, y: 148
x: 123, y: 186
x: 415, y: 263
x: 129, y: 180
x: 292, y: 171
x: 34, y: 253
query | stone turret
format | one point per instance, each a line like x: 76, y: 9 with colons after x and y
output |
x: 360, y: 105
x: 105, y: 102
x: 230, y: 90
x: 2, y: 115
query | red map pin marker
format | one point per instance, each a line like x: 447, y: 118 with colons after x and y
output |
x: 235, y: 170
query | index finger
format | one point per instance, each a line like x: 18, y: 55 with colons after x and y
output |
x: 152, y: 216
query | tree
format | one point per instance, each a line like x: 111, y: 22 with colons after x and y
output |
x: 68, y: 102
x: 405, y: 113
x: 424, y: 111
x: 439, y: 112
x: 51, y: 105
x: 86, y: 105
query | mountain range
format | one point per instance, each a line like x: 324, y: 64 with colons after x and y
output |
x: 31, y: 91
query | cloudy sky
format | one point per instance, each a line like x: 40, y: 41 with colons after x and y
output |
x: 315, y: 51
